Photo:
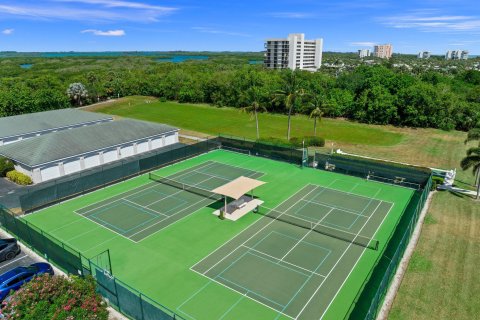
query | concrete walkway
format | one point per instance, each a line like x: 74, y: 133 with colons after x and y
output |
x: 458, y: 190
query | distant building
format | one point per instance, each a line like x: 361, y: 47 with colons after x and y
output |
x: 423, y: 55
x: 456, y: 55
x: 294, y: 52
x: 364, y: 53
x: 383, y: 51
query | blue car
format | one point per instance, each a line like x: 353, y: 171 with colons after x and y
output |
x: 15, y: 278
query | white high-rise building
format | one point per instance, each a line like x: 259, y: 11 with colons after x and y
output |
x: 423, y: 55
x: 364, y: 53
x: 294, y: 52
x: 456, y: 55
x: 383, y: 51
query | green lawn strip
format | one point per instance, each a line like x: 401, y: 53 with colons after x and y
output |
x: 166, y: 256
x: 211, y: 120
x: 442, y: 280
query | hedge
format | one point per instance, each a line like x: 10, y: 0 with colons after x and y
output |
x: 19, y: 178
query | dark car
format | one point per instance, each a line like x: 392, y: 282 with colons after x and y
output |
x: 9, y: 248
x: 15, y: 278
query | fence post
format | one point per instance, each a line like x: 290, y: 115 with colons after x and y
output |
x: 141, y: 304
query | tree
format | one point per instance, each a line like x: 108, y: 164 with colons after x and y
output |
x: 77, y: 92
x: 253, y: 95
x: 316, y: 113
x: 289, y: 95
x: 474, y: 135
x: 472, y: 160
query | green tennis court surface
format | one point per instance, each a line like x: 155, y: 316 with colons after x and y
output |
x: 138, y: 213
x: 305, y: 255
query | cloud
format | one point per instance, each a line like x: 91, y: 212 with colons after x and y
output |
x: 291, y: 15
x: 109, y: 33
x: 8, y: 31
x: 216, y: 31
x: 363, y: 44
x: 88, y: 10
x: 432, y: 21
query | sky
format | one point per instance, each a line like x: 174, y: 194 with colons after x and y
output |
x: 239, y: 25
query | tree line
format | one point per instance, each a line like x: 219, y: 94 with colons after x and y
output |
x: 378, y: 94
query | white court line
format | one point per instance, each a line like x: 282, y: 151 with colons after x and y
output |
x: 337, y: 208
x: 258, y: 232
x: 353, y: 194
x: 292, y: 264
x: 138, y: 205
x: 241, y: 293
x: 334, y: 267
x: 353, y: 268
x: 154, y: 184
x: 306, y: 234
x: 167, y: 219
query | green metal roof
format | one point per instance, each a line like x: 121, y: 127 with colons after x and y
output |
x: 41, y: 121
x: 64, y: 144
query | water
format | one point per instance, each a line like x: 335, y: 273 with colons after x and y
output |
x: 178, y: 59
x: 255, y: 62
x: 26, y: 65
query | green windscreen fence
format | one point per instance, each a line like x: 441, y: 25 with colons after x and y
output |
x: 127, y: 300
x: 58, y: 190
x: 261, y: 149
x: 378, y: 170
x: 52, y: 249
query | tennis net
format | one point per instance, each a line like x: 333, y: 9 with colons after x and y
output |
x: 189, y: 188
x: 320, y: 228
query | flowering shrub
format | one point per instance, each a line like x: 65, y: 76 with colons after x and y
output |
x: 56, y: 298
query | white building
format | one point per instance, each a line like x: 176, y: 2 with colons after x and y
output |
x: 25, y: 126
x: 456, y: 55
x: 423, y: 55
x: 383, y: 51
x: 65, y: 152
x: 364, y: 53
x: 294, y: 52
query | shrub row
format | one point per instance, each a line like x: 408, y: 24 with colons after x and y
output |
x: 19, y: 178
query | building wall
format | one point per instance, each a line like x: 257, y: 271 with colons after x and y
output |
x: 383, y: 51
x: 85, y: 161
x: 294, y: 52
x: 9, y: 140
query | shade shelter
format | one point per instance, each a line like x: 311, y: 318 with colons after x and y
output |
x: 237, y: 190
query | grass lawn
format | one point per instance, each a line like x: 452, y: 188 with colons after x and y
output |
x: 441, y: 279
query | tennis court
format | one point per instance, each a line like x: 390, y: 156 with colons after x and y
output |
x: 295, y: 259
x: 306, y: 254
x: 140, y: 212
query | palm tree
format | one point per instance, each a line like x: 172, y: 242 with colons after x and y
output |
x: 472, y: 160
x: 474, y: 135
x: 316, y: 113
x: 289, y: 95
x: 253, y: 95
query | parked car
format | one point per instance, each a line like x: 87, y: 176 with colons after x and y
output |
x: 9, y: 248
x: 16, y: 277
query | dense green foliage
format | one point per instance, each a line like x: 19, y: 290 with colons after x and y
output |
x: 382, y: 93
x: 19, y: 178
x: 5, y: 166
x: 47, y: 297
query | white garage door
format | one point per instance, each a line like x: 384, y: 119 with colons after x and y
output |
x: 50, y: 173
x: 127, y: 151
x: 109, y: 156
x: 71, y: 167
x: 91, y: 161
x: 142, y: 147
x: 157, y: 143
x: 170, y: 139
